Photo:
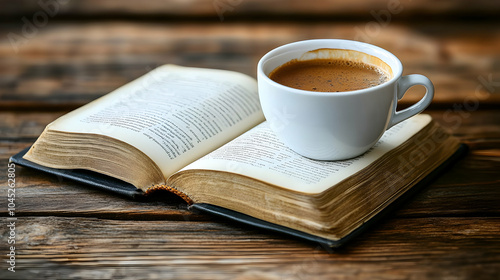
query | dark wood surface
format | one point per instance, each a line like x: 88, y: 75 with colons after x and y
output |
x: 449, y: 230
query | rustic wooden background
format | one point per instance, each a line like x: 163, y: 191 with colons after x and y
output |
x: 56, y: 55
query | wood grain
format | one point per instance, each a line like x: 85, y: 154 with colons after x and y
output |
x: 69, y: 246
x: 68, y: 64
x: 234, y: 9
x: 449, y: 230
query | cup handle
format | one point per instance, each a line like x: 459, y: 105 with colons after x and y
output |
x: 404, y: 84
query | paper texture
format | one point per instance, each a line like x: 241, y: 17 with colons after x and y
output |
x: 173, y: 114
x: 260, y: 154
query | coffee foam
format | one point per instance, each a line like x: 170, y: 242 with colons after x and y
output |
x: 332, y: 70
x: 348, y: 56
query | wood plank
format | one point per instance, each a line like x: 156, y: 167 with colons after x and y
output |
x: 233, y: 9
x: 25, y: 125
x: 469, y: 188
x: 477, y: 128
x: 67, y: 64
x: 69, y: 248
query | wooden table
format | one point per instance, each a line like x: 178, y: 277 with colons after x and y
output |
x: 59, y: 55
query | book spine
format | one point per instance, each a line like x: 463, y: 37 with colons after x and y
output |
x: 173, y: 190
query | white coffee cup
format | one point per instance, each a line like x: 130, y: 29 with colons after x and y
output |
x: 335, y: 125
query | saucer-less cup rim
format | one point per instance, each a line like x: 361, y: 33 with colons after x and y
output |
x: 309, y: 45
x: 403, y: 82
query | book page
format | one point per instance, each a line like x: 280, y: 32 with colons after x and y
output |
x: 173, y: 114
x: 261, y: 155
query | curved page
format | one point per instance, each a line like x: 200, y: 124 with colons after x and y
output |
x: 261, y: 155
x: 173, y: 114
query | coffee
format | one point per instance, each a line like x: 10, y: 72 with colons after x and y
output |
x: 329, y: 74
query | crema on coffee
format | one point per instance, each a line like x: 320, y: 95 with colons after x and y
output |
x: 331, y: 74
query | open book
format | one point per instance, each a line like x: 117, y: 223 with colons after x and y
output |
x: 200, y: 134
